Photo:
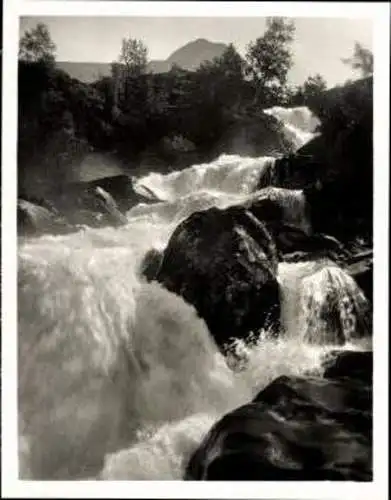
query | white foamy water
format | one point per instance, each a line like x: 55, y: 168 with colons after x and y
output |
x: 119, y: 378
x: 229, y: 174
x: 299, y: 123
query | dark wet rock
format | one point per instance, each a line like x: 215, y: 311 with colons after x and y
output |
x: 356, y: 365
x: 286, y: 214
x: 38, y: 200
x: 292, y: 240
x: 224, y: 262
x: 120, y: 187
x: 150, y: 264
x: 360, y: 268
x: 83, y: 195
x: 35, y: 220
x: 110, y: 207
x: 88, y: 204
x: 296, y: 429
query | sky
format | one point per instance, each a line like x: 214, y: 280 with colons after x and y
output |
x: 319, y: 44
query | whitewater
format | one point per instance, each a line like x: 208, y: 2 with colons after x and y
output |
x: 120, y: 379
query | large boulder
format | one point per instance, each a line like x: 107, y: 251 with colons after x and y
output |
x: 224, y: 262
x: 304, y: 429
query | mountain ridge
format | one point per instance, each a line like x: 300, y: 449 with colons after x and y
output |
x: 190, y: 56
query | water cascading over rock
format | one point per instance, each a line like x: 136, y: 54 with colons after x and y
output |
x: 323, y: 304
x: 227, y: 173
x: 334, y: 309
x: 35, y: 219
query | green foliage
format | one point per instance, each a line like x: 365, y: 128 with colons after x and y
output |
x: 36, y: 45
x: 362, y: 60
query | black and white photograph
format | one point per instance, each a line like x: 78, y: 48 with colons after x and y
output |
x: 195, y: 225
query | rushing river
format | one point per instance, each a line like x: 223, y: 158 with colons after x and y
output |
x: 119, y: 378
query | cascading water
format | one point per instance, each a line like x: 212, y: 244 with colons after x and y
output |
x: 119, y: 378
x: 323, y: 304
x: 230, y: 174
x: 299, y: 124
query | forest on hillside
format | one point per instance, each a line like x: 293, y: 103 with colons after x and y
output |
x: 170, y: 116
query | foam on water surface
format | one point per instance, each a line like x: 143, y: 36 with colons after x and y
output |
x: 228, y: 174
x: 299, y: 124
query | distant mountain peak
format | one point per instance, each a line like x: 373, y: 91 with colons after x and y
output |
x: 188, y: 57
x: 195, y: 52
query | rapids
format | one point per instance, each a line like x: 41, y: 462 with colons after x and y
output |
x: 299, y: 124
x: 119, y: 378
x: 230, y: 174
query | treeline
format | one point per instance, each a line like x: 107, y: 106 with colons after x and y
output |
x: 132, y: 112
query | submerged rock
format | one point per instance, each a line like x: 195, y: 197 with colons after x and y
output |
x: 110, y: 207
x: 296, y: 429
x: 35, y: 220
x: 119, y: 187
x: 224, y: 262
x: 335, y: 309
x: 151, y: 263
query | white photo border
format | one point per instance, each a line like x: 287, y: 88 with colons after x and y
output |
x: 12, y: 487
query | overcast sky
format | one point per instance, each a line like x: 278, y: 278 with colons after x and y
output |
x: 319, y: 45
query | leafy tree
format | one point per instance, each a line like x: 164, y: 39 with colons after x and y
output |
x: 130, y: 65
x: 222, y: 79
x: 362, y: 60
x: 133, y: 56
x: 311, y: 89
x: 270, y: 58
x: 36, y: 45
x: 314, y: 85
x: 230, y: 63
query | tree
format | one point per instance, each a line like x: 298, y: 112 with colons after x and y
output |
x: 362, y: 60
x: 134, y: 56
x: 36, y: 45
x: 311, y: 89
x: 131, y: 63
x: 270, y: 58
x: 230, y: 63
x: 222, y: 78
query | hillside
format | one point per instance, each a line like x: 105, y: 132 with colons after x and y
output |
x: 189, y: 57
x: 86, y: 72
